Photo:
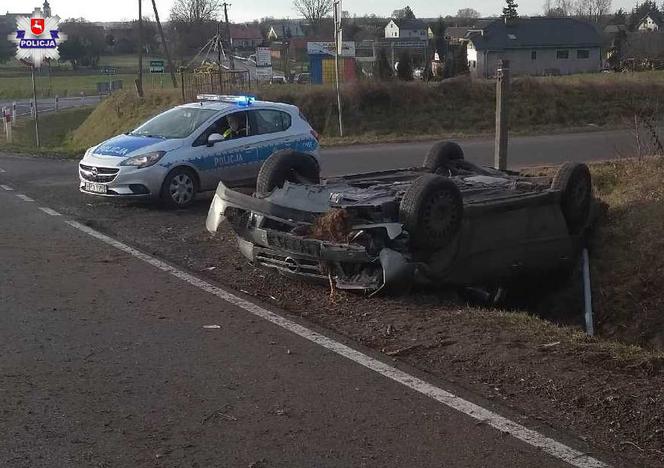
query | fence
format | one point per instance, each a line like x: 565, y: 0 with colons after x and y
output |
x: 213, y: 81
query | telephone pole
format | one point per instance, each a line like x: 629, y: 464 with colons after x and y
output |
x: 163, y: 41
x: 228, y: 36
x: 139, y: 81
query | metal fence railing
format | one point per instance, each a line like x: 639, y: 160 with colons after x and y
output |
x: 213, y: 81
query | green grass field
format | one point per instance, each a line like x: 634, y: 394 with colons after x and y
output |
x: 55, y: 134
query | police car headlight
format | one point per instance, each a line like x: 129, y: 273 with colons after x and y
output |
x: 144, y: 160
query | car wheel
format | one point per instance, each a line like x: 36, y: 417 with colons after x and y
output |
x: 285, y: 166
x: 431, y: 211
x: 439, y: 156
x: 575, y: 184
x: 179, y: 188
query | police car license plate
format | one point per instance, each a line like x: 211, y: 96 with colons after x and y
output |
x: 95, y: 188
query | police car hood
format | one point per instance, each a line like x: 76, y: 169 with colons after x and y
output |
x: 125, y: 146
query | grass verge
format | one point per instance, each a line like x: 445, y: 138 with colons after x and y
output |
x: 55, y: 131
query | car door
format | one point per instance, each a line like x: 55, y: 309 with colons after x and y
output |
x: 226, y: 160
x: 270, y: 134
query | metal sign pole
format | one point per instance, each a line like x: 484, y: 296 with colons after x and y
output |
x: 337, y: 49
x: 34, y: 100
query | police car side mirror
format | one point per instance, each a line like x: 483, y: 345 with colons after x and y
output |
x: 214, y: 138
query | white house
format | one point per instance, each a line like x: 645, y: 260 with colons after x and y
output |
x: 535, y: 46
x: 651, y: 22
x: 405, y: 28
x: 285, y: 30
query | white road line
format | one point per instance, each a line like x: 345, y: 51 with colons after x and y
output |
x: 6, y: 187
x: 531, y: 437
x: 24, y: 197
x: 49, y: 211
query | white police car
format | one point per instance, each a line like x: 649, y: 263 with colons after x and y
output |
x: 190, y: 148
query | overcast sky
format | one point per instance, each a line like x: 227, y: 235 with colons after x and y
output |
x: 116, y: 10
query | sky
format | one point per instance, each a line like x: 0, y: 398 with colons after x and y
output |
x: 239, y: 11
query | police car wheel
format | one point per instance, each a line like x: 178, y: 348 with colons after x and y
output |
x: 179, y: 188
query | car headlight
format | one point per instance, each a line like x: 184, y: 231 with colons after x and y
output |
x: 144, y: 160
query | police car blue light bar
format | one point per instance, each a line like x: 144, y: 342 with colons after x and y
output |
x: 242, y: 101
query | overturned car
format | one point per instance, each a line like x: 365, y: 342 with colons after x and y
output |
x: 449, y: 222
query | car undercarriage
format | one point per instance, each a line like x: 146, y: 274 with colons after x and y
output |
x: 448, y: 222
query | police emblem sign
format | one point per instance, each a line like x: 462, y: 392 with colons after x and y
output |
x: 37, y: 38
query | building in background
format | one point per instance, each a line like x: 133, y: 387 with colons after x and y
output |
x: 652, y: 22
x: 245, y: 36
x: 286, y: 29
x: 535, y: 46
x: 406, y: 28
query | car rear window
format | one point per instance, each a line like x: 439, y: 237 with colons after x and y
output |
x: 271, y: 121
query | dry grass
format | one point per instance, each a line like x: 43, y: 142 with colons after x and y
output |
x: 395, y: 111
x: 122, y: 112
x: 628, y: 268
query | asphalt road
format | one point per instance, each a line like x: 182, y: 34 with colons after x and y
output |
x: 522, y: 151
x: 106, y: 361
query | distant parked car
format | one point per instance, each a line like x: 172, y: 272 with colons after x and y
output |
x: 190, y: 148
x: 302, y: 78
x: 278, y: 79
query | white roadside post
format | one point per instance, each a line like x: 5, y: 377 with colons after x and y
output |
x: 7, y: 119
x: 13, y: 113
x: 338, y: 43
x: 56, y: 104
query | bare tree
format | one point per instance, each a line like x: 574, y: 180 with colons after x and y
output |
x: 592, y: 10
x: 468, y: 13
x: 313, y: 10
x: 194, y: 11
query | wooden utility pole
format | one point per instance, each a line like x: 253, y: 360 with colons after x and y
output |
x: 163, y: 41
x: 228, y: 37
x: 139, y: 81
x: 338, y: 45
x: 502, y: 114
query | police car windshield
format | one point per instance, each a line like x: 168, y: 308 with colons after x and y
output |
x: 179, y: 122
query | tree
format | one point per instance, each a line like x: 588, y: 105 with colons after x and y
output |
x: 313, y: 10
x: 592, y: 10
x: 405, y: 67
x: 195, y: 11
x: 7, y: 48
x: 382, y: 68
x: 84, y: 44
x: 509, y: 12
x: 404, y: 13
x: 468, y: 13
x: 558, y: 8
x: 640, y: 11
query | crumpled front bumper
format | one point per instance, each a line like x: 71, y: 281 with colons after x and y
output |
x: 350, y: 266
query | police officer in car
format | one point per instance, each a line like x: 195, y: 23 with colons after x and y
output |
x: 236, y: 126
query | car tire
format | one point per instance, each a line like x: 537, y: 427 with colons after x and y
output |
x: 431, y: 211
x: 439, y: 156
x: 287, y: 165
x: 574, y: 182
x: 179, y: 188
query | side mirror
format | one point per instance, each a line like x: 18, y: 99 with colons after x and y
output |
x: 214, y: 138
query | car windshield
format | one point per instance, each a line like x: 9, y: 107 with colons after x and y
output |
x: 179, y: 122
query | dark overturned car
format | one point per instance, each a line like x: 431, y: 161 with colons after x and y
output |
x: 449, y: 222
